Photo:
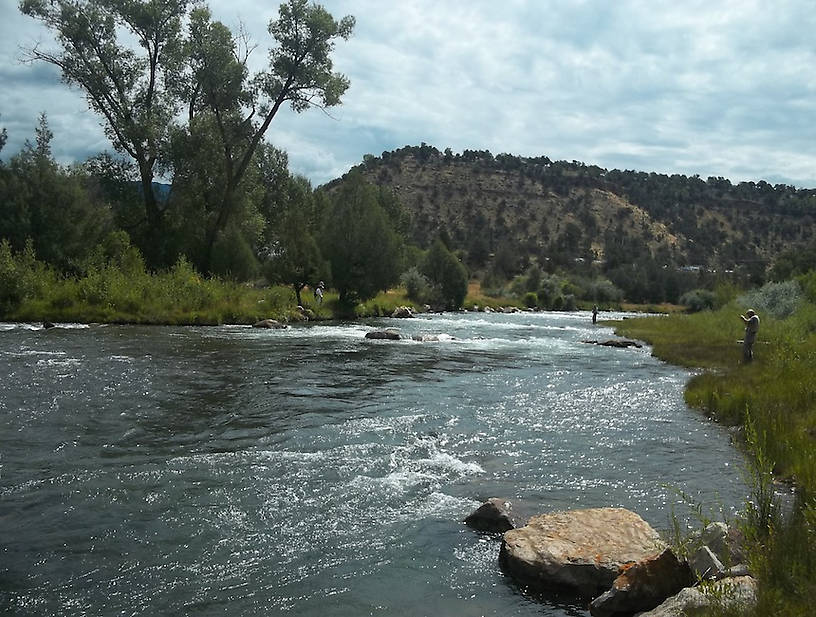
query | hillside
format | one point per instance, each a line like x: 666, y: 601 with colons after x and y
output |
x: 561, y: 213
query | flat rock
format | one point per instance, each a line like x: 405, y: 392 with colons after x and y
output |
x: 581, y: 551
x: 389, y: 334
x: 622, y: 343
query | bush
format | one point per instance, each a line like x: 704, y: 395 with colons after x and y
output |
x: 779, y: 300
x: 698, y: 300
x: 531, y: 299
x: 415, y: 283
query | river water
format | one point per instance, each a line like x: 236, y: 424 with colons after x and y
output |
x: 310, y: 471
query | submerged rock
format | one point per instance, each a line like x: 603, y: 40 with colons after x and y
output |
x: 495, y: 515
x: 269, y: 323
x: 47, y: 325
x: 581, y: 551
x: 389, y: 334
x: 623, y: 343
x: 644, y: 585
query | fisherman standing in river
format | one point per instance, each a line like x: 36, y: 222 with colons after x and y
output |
x: 751, y: 320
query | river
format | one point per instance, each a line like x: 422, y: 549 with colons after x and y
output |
x: 311, y: 471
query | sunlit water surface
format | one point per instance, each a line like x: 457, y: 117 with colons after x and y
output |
x: 311, y: 471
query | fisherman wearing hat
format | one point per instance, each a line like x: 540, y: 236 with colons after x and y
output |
x: 318, y: 293
x: 751, y: 320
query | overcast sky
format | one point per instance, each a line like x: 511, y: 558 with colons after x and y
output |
x: 709, y: 88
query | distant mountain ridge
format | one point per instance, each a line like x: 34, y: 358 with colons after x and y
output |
x: 559, y: 211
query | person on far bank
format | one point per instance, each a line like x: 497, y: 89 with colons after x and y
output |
x: 751, y: 320
x: 318, y: 293
x: 595, y: 314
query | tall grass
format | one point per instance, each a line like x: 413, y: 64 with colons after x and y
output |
x: 122, y: 291
x: 774, y: 400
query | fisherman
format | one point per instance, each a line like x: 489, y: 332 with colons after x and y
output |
x: 751, y: 320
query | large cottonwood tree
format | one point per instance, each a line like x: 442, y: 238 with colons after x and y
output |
x: 134, y: 89
x: 243, y: 105
x: 141, y: 90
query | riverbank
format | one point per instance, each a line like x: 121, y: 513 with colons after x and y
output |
x: 772, y: 404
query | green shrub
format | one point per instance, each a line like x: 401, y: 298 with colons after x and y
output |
x: 698, y: 300
x: 531, y: 299
x: 777, y: 299
x: 415, y: 283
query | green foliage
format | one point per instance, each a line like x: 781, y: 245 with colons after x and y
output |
x: 116, y: 288
x: 360, y: 243
x: 777, y: 299
x: 531, y: 299
x: 49, y: 205
x: 698, y: 300
x: 416, y: 284
x: 447, y: 276
x: 774, y: 400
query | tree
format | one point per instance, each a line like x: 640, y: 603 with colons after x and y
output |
x: 299, y: 73
x: 140, y: 90
x: 295, y: 258
x: 359, y: 241
x: 131, y: 88
x: 447, y: 275
x: 49, y: 205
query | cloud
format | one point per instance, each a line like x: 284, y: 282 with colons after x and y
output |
x: 723, y: 89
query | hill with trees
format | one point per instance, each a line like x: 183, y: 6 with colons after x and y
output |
x: 504, y: 213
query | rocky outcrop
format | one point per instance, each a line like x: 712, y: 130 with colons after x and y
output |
x: 494, y: 516
x: 402, y: 312
x: 737, y: 593
x: 581, y: 551
x: 643, y: 585
x: 388, y: 334
x: 270, y: 324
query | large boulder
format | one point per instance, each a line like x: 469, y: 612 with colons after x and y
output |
x: 495, y: 516
x: 581, y: 551
x: 644, y: 585
x: 737, y: 593
x: 387, y: 334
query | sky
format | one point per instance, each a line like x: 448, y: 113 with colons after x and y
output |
x: 715, y: 88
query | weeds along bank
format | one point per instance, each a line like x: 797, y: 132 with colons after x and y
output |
x: 773, y: 399
x: 124, y: 292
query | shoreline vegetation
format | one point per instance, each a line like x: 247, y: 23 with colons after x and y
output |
x: 121, y: 291
x: 771, y: 406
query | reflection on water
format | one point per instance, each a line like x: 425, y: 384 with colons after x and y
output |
x: 310, y: 471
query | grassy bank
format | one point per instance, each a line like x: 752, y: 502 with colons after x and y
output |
x: 774, y: 400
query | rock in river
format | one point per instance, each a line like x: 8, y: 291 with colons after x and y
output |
x: 644, y: 585
x: 388, y: 334
x: 580, y: 551
x: 269, y: 323
x: 495, y: 516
